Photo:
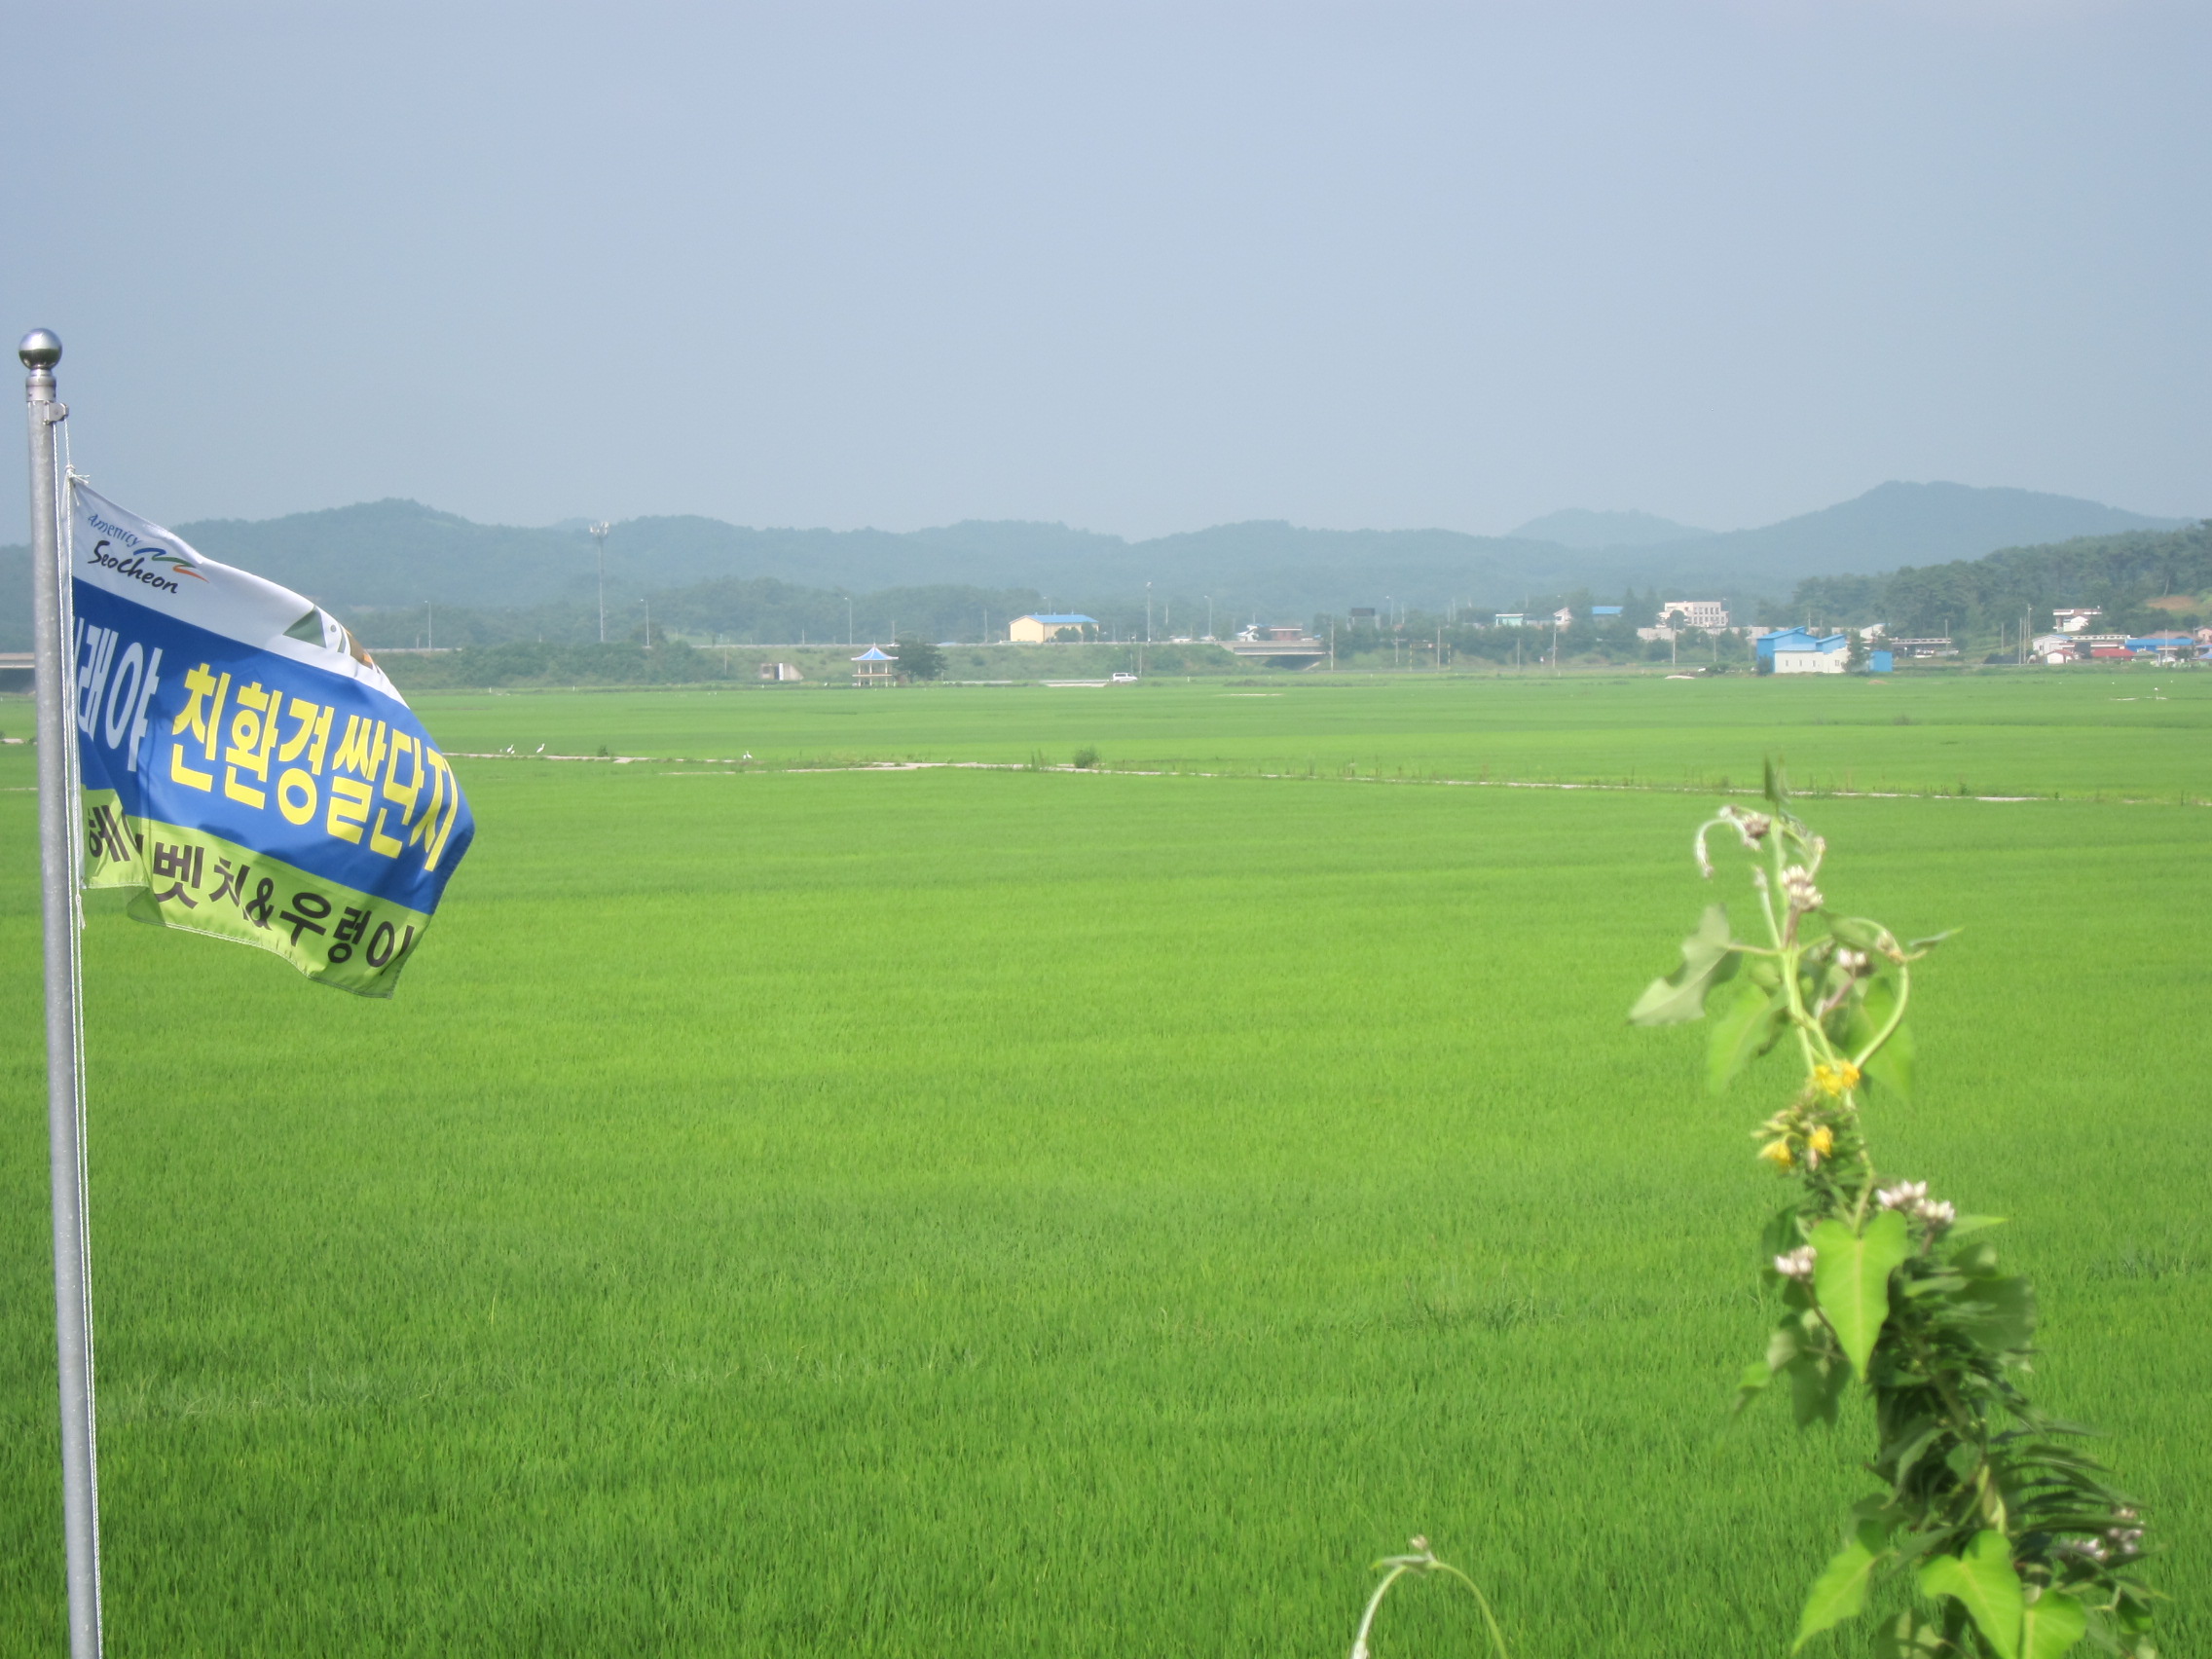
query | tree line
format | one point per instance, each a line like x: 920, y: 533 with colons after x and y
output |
x: 2119, y: 575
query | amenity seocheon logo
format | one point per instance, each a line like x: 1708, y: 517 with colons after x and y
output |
x: 157, y: 571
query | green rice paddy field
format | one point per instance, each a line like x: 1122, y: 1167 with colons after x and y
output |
x: 2076, y: 732
x: 1014, y: 1212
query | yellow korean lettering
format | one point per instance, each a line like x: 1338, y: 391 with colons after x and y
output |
x: 296, y: 796
x: 361, y: 750
x: 202, y: 717
x: 407, y: 793
x: 253, y: 737
x: 180, y: 773
x: 312, y: 733
x: 349, y: 807
x: 433, y: 827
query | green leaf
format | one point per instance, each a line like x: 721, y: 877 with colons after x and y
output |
x: 1910, y: 1636
x: 1999, y: 1313
x: 1857, y: 932
x: 1931, y: 940
x: 1707, y: 961
x: 1752, y: 1382
x: 2051, y: 1623
x: 1841, y: 1591
x: 1911, y: 1442
x: 1984, y: 1581
x: 1851, y: 1276
x: 1975, y: 1261
x: 1777, y: 790
x: 1969, y: 1223
x: 1745, y: 1029
x: 1816, y: 1384
x: 1890, y: 1065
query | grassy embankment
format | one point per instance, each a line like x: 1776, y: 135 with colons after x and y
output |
x: 1009, y: 1213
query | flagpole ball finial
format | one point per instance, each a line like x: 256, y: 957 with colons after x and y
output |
x: 41, y: 349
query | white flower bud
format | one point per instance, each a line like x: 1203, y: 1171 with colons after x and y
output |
x: 1798, y: 884
x: 1796, y: 1265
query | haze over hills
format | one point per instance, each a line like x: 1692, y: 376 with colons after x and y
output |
x: 1579, y: 527
x: 392, y: 554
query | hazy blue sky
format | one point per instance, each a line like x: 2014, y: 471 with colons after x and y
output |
x: 1137, y: 267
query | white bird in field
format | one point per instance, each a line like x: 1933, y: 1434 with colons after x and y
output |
x: 542, y: 749
x: 749, y: 754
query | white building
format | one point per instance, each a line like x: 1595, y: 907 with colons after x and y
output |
x: 1710, y: 614
x: 1800, y: 651
x: 1814, y: 661
x: 2072, y: 621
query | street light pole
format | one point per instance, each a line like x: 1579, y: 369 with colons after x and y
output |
x: 599, y: 535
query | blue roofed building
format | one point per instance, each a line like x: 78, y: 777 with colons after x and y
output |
x: 2166, y: 648
x: 1800, y: 651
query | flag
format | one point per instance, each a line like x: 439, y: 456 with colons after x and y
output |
x: 246, y: 767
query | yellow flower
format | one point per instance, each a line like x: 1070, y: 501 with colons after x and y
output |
x: 1778, y: 1154
x: 1835, y: 1079
x: 1821, y: 1140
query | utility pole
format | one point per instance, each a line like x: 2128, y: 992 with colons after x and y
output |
x: 430, y: 627
x: 1148, y: 613
x: 848, y: 619
x: 648, y: 604
x: 1210, y: 616
x: 599, y: 535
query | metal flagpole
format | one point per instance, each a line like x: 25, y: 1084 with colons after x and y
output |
x: 40, y: 350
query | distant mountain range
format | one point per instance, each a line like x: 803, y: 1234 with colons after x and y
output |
x: 387, y: 555
x: 1578, y: 526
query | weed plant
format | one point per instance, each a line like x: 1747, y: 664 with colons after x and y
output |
x: 2004, y: 1523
